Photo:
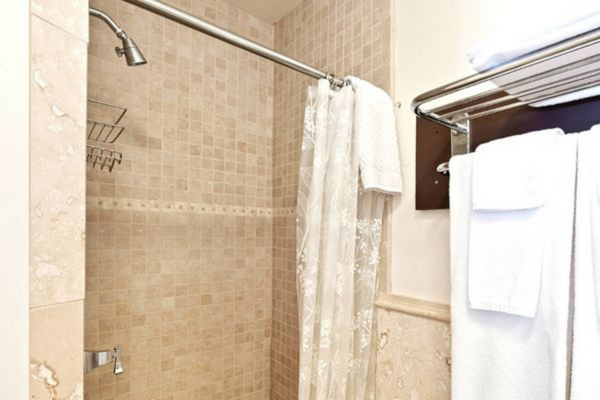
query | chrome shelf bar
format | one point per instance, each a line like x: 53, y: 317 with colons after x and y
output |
x: 103, y: 126
x: 184, y: 18
x: 571, y: 89
x: 570, y: 80
x: 446, y: 114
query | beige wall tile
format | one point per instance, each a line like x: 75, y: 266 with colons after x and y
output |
x: 69, y: 15
x: 199, y: 124
x: 56, y: 352
x: 57, y: 214
x: 179, y: 247
x: 188, y: 297
x: 413, y: 357
x: 58, y: 93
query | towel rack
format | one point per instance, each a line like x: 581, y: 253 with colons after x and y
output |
x: 457, y: 117
x: 454, y: 110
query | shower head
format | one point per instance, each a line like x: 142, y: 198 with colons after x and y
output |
x: 130, y: 50
x: 132, y: 53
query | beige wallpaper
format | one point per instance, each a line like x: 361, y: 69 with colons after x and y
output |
x: 344, y: 37
x: 179, y: 253
x: 57, y: 197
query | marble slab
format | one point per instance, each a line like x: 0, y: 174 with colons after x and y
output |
x: 58, y: 167
x: 56, y: 352
x: 69, y: 15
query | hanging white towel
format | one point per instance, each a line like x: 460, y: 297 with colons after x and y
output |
x: 526, y: 35
x: 511, y: 186
x: 497, y: 356
x: 375, y: 130
x: 510, y: 173
x: 585, y: 383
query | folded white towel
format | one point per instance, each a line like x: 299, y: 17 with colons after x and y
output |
x: 575, y: 56
x: 533, y: 33
x: 511, y: 173
x: 375, y: 130
x: 497, y: 356
x: 511, y: 185
x: 585, y: 384
x: 525, y: 36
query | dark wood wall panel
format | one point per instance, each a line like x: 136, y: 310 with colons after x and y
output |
x: 433, y: 148
x: 433, y: 141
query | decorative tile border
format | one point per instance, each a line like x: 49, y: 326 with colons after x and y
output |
x: 284, y: 211
x: 109, y: 203
x: 416, y: 307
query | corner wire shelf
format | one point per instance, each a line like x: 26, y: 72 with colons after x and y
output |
x: 101, y: 131
x: 105, y: 132
x: 565, y: 68
x: 102, y: 158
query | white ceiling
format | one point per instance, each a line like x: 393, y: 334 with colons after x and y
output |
x: 267, y: 10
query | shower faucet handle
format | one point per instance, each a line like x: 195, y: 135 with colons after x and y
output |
x: 117, y: 357
x: 95, y: 359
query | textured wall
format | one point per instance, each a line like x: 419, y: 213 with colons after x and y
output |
x: 344, y: 37
x: 413, y: 353
x: 59, y: 35
x: 180, y: 235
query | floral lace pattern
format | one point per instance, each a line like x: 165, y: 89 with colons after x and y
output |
x: 339, y: 231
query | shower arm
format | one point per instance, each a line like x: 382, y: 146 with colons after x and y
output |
x: 130, y: 50
x: 109, y: 21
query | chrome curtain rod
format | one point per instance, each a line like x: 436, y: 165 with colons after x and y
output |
x: 184, y: 18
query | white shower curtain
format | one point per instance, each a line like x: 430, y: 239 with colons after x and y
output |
x: 339, y: 233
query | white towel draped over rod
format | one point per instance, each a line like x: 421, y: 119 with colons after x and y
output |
x: 565, y: 68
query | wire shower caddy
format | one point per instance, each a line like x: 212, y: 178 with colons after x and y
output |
x: 103, y: 128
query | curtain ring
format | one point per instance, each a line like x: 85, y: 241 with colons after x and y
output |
x: 348, y: 82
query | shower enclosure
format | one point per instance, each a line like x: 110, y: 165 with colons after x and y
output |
x: 179, y: 237
x: 190, y: 258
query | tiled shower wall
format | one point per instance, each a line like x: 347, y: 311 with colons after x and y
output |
x: 179, y: 253
x: 345, y: 37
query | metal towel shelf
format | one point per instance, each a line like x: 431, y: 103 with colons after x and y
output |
x: 566, y: 72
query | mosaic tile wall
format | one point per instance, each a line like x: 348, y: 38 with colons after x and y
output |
x: 200, y: 113
x: 179, y: 253
x: 345, y: 37
x: 187, y: 293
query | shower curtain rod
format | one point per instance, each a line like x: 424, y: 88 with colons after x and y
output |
x: 184, y: 18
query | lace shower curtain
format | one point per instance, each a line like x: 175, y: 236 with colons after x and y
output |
x: 339, y: 233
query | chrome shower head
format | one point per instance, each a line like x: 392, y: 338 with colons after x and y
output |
x: 132, y: 53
